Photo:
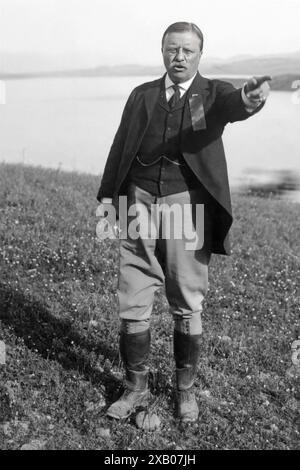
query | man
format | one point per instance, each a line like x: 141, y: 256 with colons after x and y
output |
x: 168, y: 150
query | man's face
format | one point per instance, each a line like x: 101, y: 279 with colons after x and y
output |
x: 181, y: 54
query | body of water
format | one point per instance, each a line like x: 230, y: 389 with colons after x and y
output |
x: 69, y: 123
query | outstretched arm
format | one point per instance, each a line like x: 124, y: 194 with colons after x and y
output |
x: 239, y: 104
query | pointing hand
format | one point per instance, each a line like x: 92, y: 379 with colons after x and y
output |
x: 257, y: 89
x: 256, y: 82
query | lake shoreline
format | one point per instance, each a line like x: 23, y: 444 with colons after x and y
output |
x: 70, y: 124
x: 282, y: 82
x: 271, y: 190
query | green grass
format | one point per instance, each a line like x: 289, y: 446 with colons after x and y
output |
x: 59, y: 321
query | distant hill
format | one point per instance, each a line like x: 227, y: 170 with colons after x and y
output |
x: 272, y: 65
x: 284, y: 69
x: 278, y: 83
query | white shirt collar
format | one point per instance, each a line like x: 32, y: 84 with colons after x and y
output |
x: 185, y: 85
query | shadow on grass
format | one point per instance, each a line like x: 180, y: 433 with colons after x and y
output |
x: 59, y: 340
x: 56, y: 339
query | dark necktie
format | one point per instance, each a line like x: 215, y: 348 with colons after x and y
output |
x: 175, y: 97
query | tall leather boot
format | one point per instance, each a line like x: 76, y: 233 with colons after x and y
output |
x: 134, y: 349
x: 186, y: 352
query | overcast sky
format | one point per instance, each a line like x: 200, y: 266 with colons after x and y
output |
x: 129, y: 31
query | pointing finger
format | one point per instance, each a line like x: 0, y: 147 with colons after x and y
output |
x: 256, y: 82
x: 261, y: 80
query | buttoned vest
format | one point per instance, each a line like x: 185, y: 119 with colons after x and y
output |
x: 159, y: 167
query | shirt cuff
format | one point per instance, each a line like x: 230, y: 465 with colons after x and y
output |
x: 249, y: 105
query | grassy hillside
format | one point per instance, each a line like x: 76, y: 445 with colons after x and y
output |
x: 58, y: 319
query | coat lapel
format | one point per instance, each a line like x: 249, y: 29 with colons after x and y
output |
x: 194, y: 113
x: 141, y: 116
x: 197, y: 95
x: 163, y: 101
x: 151, y: 97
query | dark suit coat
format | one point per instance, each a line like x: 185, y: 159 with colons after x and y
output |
x: 211, y: 105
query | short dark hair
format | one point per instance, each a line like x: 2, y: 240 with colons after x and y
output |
x: 184, y: 27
